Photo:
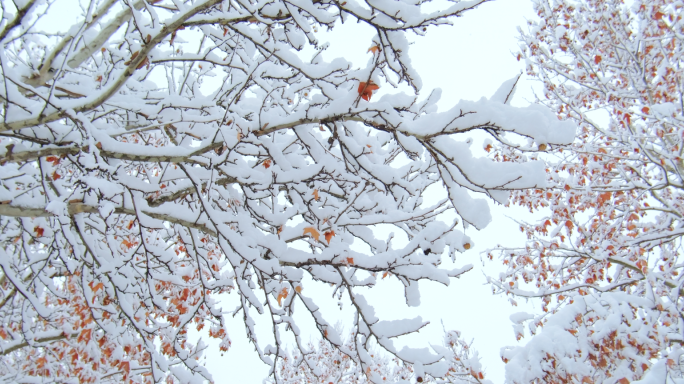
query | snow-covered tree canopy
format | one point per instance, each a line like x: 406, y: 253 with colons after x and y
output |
x: 159, y: 154
x: 606, y: 253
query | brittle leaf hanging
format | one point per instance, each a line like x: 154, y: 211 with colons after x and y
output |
x: 366, y: 89
x: 313, y: 232
x: 329, y: 235
x: 282, y: 295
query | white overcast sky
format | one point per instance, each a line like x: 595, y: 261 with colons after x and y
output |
x: 468, y: 61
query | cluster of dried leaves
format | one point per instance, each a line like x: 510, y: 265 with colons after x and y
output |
x: 607, y: 253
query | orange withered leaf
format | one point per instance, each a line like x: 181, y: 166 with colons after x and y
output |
x: 329, y: 235
x: 282, y: 295
x: 366, y: 89
x: 374, y: 49
x: 298, y: 289
x: 315, y: 193
x: 280, y: 230
x: 39, y: 231
x: 53, y: 159
x: 642, y: 264
x: 84, y: 336
x: 143, y: 63
x: 56, y: 175
x: 604, y: 197
x: 313, y: 232
x: 350, y: 260
x: 40, y: 362
x: 266, y: 163
x: 97, y: 287
x: 125, y: 366
x: 597, y: 59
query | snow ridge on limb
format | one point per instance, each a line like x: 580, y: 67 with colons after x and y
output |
x: 605, y: 257
x: 158, y: 154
